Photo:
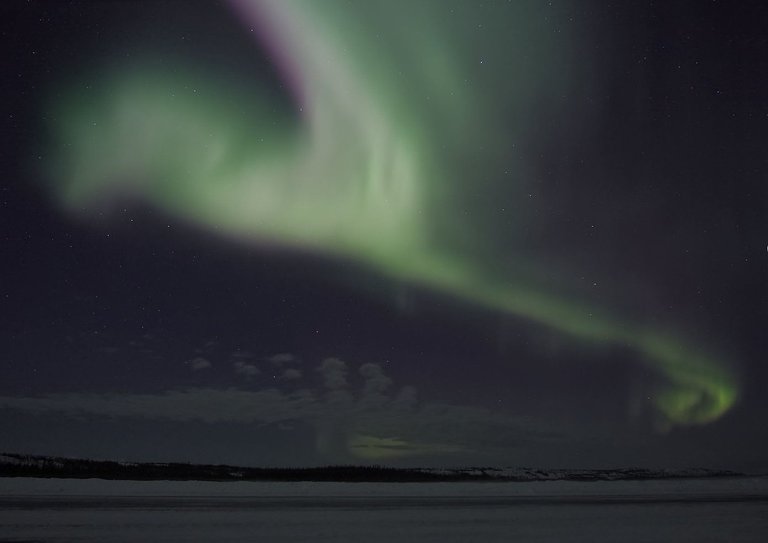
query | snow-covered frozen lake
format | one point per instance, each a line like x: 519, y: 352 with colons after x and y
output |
x: 60, y: 510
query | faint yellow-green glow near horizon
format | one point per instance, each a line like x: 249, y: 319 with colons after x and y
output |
x: 350, y: 174
x: 377, y: 449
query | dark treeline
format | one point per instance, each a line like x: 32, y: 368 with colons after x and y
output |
x: 44, y: 466
x: 18, y: 465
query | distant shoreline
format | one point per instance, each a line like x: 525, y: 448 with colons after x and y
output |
x: 20, y: 465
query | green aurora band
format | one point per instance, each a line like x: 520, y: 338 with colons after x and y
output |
x: 351, y: 178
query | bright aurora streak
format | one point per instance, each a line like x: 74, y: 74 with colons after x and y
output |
x: 352, y: 173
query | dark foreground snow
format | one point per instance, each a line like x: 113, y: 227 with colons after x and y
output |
x: 59, y: 510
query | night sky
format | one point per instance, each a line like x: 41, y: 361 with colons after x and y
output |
x: 293, y: 232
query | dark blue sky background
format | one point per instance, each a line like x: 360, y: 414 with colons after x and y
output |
x: 130, y: 334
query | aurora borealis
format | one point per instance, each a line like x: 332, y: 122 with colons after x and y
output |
x: 351, y: 181
x: 459, y: 156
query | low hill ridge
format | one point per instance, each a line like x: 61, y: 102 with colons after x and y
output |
x: 21, y: 465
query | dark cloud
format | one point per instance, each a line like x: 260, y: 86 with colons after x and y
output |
x: 282, y: 358
x: 334, y: 373
x: 291, y: 374
x: 370, y: 423
x: 199, y: 363
x: 245, y: 369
